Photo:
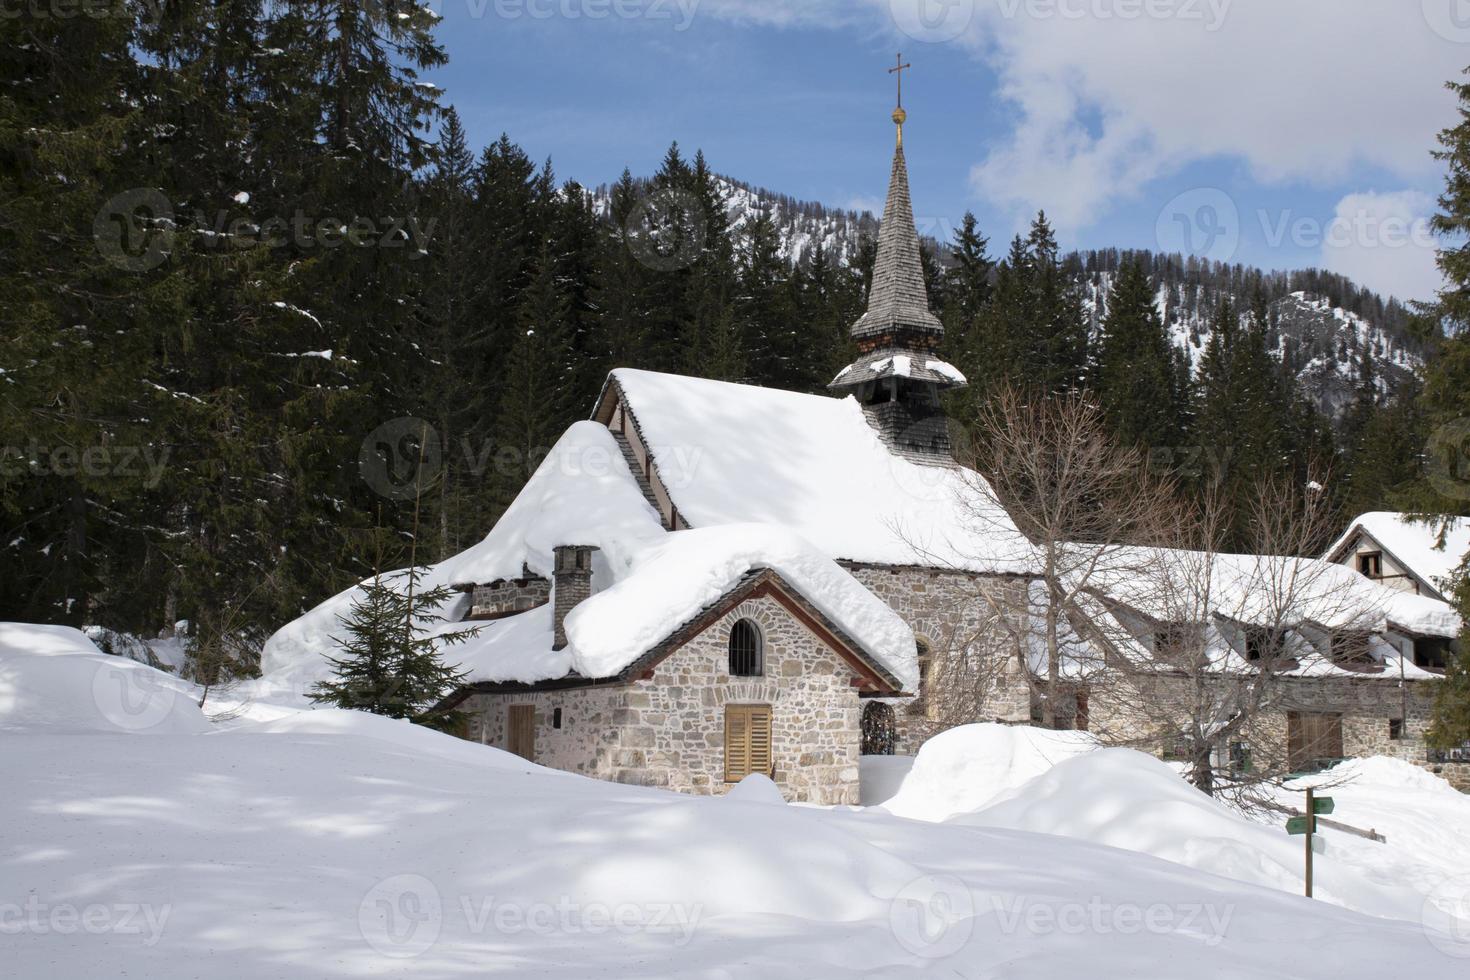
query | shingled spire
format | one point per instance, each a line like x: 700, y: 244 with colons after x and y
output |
x: 898, y: 375
x: 898, y: 299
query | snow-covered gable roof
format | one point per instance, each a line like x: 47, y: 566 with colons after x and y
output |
x: 1170, y: 585
x: 582, y: 494
x: 670, y: 584
x: 729, y: 453
x: 648, y: 581
x: 1413, y: 544
x: 673, y: 581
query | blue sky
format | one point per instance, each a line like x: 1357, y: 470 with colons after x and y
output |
x: 1280, y: 134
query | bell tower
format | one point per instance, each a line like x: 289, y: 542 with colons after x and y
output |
x: 898, y: 375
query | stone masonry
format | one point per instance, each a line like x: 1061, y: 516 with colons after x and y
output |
x: 508, y: 596
x: 669, y: 731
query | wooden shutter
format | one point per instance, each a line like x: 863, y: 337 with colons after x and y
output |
x: 747, y: 740
x: 520, y: 728
x: 760, y: 739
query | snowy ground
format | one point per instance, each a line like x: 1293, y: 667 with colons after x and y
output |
x: 143, y: 840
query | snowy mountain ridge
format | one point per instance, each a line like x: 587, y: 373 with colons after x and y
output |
x: 1321, y: 323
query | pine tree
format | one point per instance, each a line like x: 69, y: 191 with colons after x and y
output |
x: 1445, y: 488
x: 1136, y: 381
x: 537, y: 400
x: 390, y: 662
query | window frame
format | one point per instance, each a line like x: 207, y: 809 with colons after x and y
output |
x: 757, y: 652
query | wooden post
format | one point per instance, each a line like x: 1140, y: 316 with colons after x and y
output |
x: 1311, y: 830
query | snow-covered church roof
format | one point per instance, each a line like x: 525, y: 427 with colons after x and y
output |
x: 731, y: 453
x: 647, y: 582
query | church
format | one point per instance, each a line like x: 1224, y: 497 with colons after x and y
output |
x: 706, y: 580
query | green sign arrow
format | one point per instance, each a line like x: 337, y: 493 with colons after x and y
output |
x: 1296, y: 825
x: 1322, y: 805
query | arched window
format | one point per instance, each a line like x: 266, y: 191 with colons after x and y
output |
x: 746, y: 655
x: 880, y: 729
x: 926, y: 665
x: 927, y: 703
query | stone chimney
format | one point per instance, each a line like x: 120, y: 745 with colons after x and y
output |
x: 571, y: 583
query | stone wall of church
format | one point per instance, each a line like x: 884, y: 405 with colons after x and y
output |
x: 966, y: 622
x: 669, y: 731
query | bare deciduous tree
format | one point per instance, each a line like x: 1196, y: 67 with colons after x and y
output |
x: 1210, y: 635
x: 1046, y: 466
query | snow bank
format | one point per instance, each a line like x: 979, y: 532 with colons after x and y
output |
x: 734, y: 454
x: 969, y: 767
x: 673, y: 580
x: 756, y: 788
x: 1426, y: 821
x: 881, y: 776
x: 324, y: 846
x: 53, y: 679
x: 1130, y: 800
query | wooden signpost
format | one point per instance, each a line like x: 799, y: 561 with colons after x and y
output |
x: 1306, y: 825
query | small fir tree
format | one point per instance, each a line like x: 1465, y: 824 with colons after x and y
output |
x: 390, y: 664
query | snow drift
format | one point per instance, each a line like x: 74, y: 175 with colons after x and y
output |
x: 54, y: 679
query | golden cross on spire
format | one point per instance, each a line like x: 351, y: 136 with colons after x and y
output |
x: 898, y: 114
x: 899, y: 72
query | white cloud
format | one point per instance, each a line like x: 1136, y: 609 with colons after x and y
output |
x: 1304, y: 90
x: 1111, y: 94
x: 1383, y: 241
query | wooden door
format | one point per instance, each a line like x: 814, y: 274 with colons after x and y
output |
x: 747, y: 740
x: 520, y: 731
x: 1310, y: 737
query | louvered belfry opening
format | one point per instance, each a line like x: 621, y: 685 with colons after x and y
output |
x: 746, y: 659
